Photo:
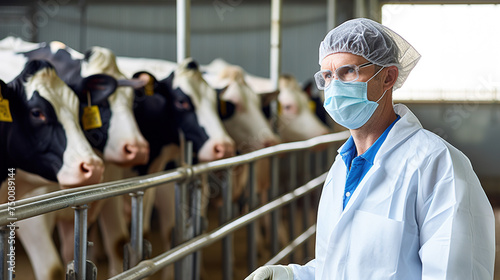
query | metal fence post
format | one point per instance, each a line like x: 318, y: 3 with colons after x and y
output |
x: 180, y: 224
x: 252, y: 204
x: 81, y: 268
x: 227, y: 213
x: 274, y: 191
x: 138, y: 249
x: 307, y: 202
x: 136, y: 225
x: 6, y: 273
x: 182, y: 267
x: 292, y: 208
x: 196, y: 228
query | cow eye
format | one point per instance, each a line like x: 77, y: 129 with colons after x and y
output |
x: 38, y: 115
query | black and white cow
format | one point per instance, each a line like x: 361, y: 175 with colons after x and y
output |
x: 118, y: 137
x: 181, y: 102
x: 41, y: 137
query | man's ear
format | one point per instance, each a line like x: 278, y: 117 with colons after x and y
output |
x: 391, y: 77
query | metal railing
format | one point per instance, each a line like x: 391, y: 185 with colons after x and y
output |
x: 79, y: 198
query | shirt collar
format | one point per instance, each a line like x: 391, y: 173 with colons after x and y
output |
x: 348, y: 150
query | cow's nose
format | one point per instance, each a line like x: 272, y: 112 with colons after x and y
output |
x: 130, y: 150
x: 89, y: 171
x: 271, y: 142
x: 86, y: 168
x: 136, y: 153
x: 92, y: 171
x: 223, y: 150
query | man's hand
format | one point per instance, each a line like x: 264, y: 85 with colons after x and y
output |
x: 271, y: 272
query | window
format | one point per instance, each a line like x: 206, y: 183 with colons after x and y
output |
x: 460, y: 48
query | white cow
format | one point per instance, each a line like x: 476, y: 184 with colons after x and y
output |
x: 296, y: 121
x: 247, y: 125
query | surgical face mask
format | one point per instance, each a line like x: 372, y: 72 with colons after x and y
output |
x: 347, y: 103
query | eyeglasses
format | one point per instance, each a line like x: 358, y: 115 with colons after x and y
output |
x: 346, y: 74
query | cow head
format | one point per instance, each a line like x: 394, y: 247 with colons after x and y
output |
x: 296, y: 120
x: 247, y: 125
x: 190, y: 93
x: 44, y: 136
x: 125, y: 145
x: 156, y: 117
x: 118, y: 138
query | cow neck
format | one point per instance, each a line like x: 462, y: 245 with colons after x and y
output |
x: 156, y: 125
x: 16, y: 86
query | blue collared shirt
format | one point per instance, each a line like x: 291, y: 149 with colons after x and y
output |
x: 358, y: 166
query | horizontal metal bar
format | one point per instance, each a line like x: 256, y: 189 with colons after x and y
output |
x: 57, y: 200
x: 291, y: 247
x: 149, y: 267
x: 152, y: 179
x: 26, y: 208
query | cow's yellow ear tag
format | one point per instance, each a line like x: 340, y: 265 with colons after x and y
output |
x: 312, y: 106
x: 150, y: 88
x: 5, y: 115
x: 91, y: 117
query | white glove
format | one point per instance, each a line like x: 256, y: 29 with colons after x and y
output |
x: 272, y: 272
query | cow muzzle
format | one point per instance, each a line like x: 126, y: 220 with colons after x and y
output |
x: 130, y: 153
x: 216, y: 149
x: 85, y: 172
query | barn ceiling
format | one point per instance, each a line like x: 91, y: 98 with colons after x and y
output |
x: 142, y: 2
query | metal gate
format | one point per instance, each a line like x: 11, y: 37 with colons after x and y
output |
x: 317, y: 156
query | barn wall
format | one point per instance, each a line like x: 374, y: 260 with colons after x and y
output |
x: 472, y: 127
x: 240, y: 34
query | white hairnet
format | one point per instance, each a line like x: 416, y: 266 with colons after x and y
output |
x: 373, y: 41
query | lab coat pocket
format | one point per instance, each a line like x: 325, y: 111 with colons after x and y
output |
x: 374, y: 247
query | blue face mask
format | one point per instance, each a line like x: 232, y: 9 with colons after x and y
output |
x: 347, y: 103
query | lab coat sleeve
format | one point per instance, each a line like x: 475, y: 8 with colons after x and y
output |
x: 304, y: 272
x: 457, y: 239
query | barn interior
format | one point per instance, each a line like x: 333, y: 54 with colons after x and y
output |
x: 454, y: 90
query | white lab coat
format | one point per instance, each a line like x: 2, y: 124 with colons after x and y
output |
x: 419, y: 213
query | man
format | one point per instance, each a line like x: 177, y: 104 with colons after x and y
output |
x: 399, y: 202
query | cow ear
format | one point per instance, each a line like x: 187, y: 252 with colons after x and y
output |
x: 225, y: 108
x: 134, y: 83
x: 150, y: 83
x: 267, y: 97
x: 4, y: 90
x: 99, y: 86
x: 221, y: 91
x: 308, y: 87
